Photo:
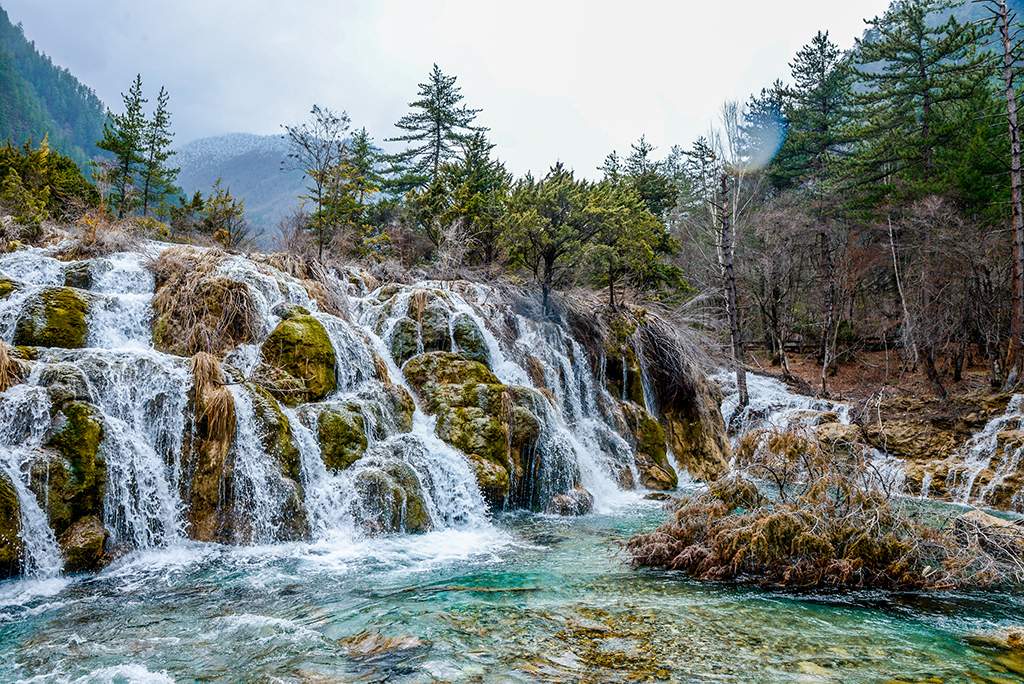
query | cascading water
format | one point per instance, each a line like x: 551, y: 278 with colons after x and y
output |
x: 986, y: 451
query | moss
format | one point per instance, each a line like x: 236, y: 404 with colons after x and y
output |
x: 402, y: 405
x: 342, y: 435
x: 381, y: 501
x: 415, y: 518
x: 445, y: 368
x: 648, y: 438
x: 7, y: 287
x: 299, y: 361
x: 470, y: 340
x: 10, y: 528
x: 633, y: 389
x: 26, y: 352
x: 56, y: 317
x: 492, y: 478
x: 434, y: 331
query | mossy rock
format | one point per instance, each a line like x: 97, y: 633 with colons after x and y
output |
x: 470, y: 340
x: 434, y: 331
x: 7, y: 288
x: 55, y: 317
x: 404, y: 341
x: 70, y: 481
x: 82, y: 545
x: 415, y: 517
x: 492, y: 478
x: 630, y: 388
x: 277, y: 431
x: 342, y: 434
x: 696, y: 432
x: 299, y: 361
x: 445, y: 368
x: 78, y: 274
x: 381, y: 501
x: 402, y: 405
x: 10, y: 528
x: 649, y: 442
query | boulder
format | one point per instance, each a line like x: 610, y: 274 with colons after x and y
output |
x: 696, y: 431
x: 65, y: 382
x: 434, y: 331
x: 342, y: 434
x: 276, y: 430
x: 469, y: 340
x: 78, y: 274
x: 391, y: 499
x: 82, y: 545
x: 298, y: 361
x: 404, y: 340
x: 576, y: 502
x: 70, y: 478
x: 54, y: 317
x: 10, y: 528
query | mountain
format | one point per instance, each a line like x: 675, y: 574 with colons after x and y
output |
x: 250, y: 165
x: 38, y: 98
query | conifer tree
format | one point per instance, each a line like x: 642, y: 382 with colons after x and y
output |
x: 123, y: 138
x: 478, y: 184
x: 157, y: 176
x: 434, y: 130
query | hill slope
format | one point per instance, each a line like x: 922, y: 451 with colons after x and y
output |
x: 38, y: 97
x: 250, y: 165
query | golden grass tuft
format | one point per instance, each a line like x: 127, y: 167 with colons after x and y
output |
x: 196, y: 309
x: 315, y: 278
x: 12, y: 371
x: 214, y: 405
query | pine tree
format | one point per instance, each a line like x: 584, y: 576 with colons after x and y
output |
x: 478, y: 184
x: 223, y: 218
x: 157, y: 176
x: 764, y: 129
x: 435, y: 129
x: 123, y: 138
x: 922, y: 70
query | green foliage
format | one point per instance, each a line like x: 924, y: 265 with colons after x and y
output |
x: 157, y: 177
x: 41, y: 99
x: 223, y: 218
x: 123, y: 138
x: 435, y: 128
x: 39, y: 183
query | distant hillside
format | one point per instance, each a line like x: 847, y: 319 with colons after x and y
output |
x: 250, y: 165
x: 38, y: 97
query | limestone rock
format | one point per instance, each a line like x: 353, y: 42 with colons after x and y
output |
x: 54, y: 317
x: 648, y: 439
x: 82, y: 545
x: 576, y: 502
x: 10, y: 528
x: 298, y: 361
x: 469, y: 340
x: 342, y: 434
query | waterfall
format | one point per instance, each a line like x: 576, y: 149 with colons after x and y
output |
x: 984, y: 452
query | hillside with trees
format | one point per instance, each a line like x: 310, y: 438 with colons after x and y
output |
x: 43, y: 99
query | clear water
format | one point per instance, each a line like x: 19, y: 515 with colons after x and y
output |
x: 531, y: 598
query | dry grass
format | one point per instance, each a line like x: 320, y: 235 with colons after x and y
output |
x: 96, y: 235
x: 12, y: 371
x: 820, y: 524
x: 214, y: 405
x: 196, y: 309
x: 320, y: 284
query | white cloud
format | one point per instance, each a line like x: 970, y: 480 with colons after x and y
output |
x: 557, y: 79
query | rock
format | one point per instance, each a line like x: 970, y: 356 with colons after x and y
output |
x: 658, y: 496
x: 298, y: 361
x: 82, y: 545
x: 65, y: 382
x: 375, y: 644
x: 277, y: 431
x: 70, y: 480
x: 78, y: 274
x: 623, y: 375
x: 648, y: 441
x: 576, y: 502
x: 404, y: 341
x: 10, y: 528
x: 7, y: 287
x: 696, y: 431
x: 491, y: 423
x: 285, y: 310
x: 414, y: 518
x: 342, y: 435
x: 402, y: 405
x: 839, y: 436
x: 434, y: 331
x: 911, y: 440
x: 469, y: 340
x: 55, y: 317
x: 381, y: 501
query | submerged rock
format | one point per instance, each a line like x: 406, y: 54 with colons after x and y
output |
x: 298, y: 361
x: 82, y: 545
x: 7, y: 288
x: 10, y: 528
x: 55, y: 317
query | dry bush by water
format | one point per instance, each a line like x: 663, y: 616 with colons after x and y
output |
x: 825, y: 526
x: 12, y: 371
x: 96, y: 235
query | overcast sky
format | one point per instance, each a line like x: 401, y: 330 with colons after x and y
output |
x: 556, y: 79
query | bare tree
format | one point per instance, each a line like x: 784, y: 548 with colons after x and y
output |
x: 317, y: 147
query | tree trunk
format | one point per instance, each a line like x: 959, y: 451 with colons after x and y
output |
x: 1014, y: 356
x: 727, y: 256
x: 828, y: 318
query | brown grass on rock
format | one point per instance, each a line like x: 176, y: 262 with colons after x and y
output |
x: 214, y: 405
x: 315, y: 278
x: 12, y: 371
x: 196, y: 309
x: 95, y: 235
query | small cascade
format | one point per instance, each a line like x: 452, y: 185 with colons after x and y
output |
x: 772, y: 405
x: 121, y: 313
x: 986, y: 453
x: 24, y: 420
x: 259, y: 494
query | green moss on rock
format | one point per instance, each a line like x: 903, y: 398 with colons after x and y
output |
x: 7, y: 288
x: 651, y: 450
x: 404, y: 341
x: 10, y: 528
x: 342, y: 435
x: 299, y: 361
x: 55, y: 317
x: 276, y: 430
